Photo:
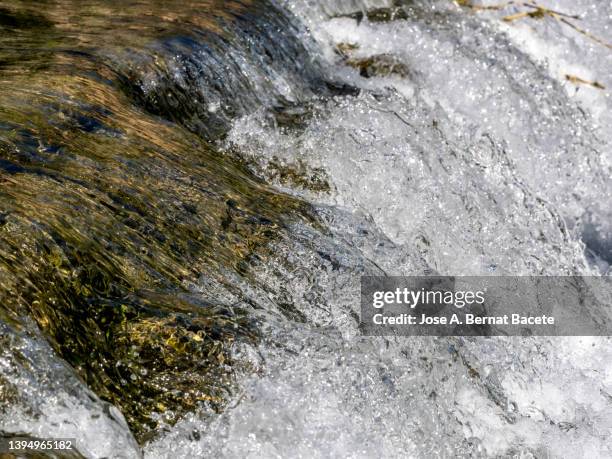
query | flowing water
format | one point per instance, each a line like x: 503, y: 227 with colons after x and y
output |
x: 190, y: 192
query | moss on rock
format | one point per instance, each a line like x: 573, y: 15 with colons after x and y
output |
x: 108, y: 212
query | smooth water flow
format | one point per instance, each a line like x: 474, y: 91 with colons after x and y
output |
x: 242, y: 165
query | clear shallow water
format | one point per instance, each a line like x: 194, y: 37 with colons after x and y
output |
x: 475, y: 157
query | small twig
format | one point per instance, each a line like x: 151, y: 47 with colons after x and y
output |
x: 500, y: 6
x: 539, y: 12
x: 514, y: 17
x: 585, y: 33
x: 577, y: 80
x: 549, y: 11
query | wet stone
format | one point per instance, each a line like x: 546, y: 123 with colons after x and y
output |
x: 380, y: 65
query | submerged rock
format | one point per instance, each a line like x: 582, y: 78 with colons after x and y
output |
x: 380, y: 14
x: 109, y: 212
x: 379, y: 66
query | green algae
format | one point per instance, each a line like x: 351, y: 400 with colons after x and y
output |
x: 401, y: 10
x: 389, y: 14
x: 379, y: 65
x: 107, y: 213
x: 298, y: 174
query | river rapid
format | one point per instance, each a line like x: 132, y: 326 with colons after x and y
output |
x: 190, y: 192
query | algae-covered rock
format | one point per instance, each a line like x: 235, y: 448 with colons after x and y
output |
x: 378, y: 66
x: 108, y: 212
x: 394, y: 13
x: 399, y: 10
x: 299, y: 175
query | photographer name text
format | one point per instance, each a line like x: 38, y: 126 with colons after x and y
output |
x: 467, y: 319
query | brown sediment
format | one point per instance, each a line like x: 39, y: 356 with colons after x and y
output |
x: 108, y: 212
x: 379, y: 65
x: 389, y: 14
x: 298, y: 174
x: 346, y: 49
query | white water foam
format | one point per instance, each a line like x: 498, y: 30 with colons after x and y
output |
x: 479, y: 161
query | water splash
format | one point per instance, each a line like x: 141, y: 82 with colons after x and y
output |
x: 426, y: 166
x: 472, y: 161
